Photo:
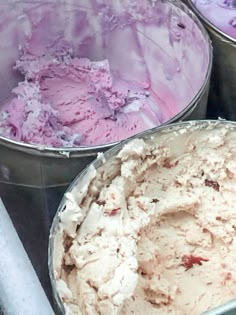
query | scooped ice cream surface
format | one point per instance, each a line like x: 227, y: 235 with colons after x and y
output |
x: 66, y: 102
x: 152, y: 230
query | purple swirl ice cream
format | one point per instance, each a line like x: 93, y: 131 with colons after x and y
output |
x: 221, y: 13
x: 68, y: 101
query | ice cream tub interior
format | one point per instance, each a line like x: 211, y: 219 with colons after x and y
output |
x: 219, y: 18
x: 149, y: 226
x: 78, y: 77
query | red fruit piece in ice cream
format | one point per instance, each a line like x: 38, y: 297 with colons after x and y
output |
x: 189, y: 260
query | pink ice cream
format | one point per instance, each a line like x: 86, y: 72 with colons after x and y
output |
x: 68, y: 101
x: 221, y: 13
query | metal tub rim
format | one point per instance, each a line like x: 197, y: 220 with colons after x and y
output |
x: 224, y: 309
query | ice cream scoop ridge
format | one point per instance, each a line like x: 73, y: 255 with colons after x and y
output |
x: 66, y: 102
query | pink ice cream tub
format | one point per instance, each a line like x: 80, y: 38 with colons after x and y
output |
x: 219, y: 17
x: 157, y: 47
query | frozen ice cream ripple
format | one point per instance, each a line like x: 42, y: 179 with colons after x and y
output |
x: 152, y: 231
x: 69, y: 102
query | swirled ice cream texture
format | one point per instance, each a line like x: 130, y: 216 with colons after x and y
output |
x: 221, y: 13
x: 66, y: 102
x: 152, y: 231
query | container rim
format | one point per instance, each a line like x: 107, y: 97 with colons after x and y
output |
x: 82, y: 151
x: 98, y: 163
x: 210, y: 25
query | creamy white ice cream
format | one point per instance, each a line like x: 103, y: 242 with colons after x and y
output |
x: 152, y: 231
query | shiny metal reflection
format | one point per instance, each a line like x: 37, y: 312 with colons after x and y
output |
x: 226, y: 309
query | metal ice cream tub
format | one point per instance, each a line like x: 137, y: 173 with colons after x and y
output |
x: 85, y: 183
x: 176, y: 52
x: 222, y: 95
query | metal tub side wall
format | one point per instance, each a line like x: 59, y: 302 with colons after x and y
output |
x: 222, y: 94
x: 31, y: 187
x: 226, y: 309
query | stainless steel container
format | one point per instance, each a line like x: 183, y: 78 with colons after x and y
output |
x: 33, y: 178
x: 222, y: 96
x: 109, y: 157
